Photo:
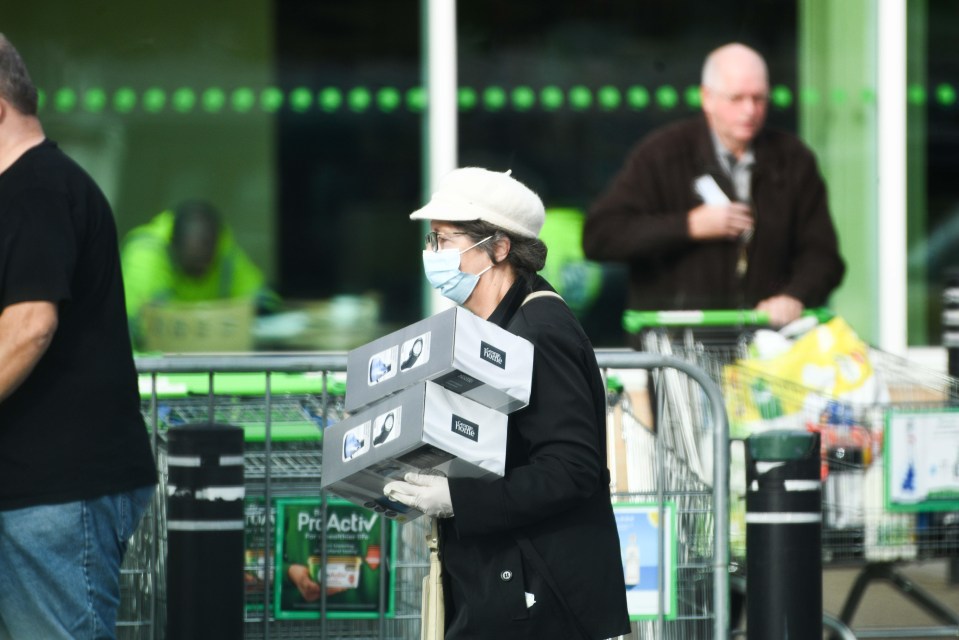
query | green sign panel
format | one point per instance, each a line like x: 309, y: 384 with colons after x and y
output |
x: 355, y: 560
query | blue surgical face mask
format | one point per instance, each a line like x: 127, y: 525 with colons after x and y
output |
x: 443, y: 272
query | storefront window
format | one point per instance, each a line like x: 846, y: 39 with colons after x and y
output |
x: 933, y: 143
x: 303, y: 122
x: 349, y: 164
x: 299, y: 120
x: 560, y: 97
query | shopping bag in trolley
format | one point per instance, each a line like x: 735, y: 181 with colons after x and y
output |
x: 826, y: 363
x: 721, y: 341
x: 861, y: 392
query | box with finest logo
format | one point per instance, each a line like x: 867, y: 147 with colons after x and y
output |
x: 423, y: 427
x: 455, y: 349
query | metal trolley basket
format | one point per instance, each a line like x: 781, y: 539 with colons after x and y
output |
x: 282, y: 418
x: 282, y: 403
x: 682, y: 470
x: 860, y: 528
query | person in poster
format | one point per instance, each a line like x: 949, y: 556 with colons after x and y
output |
x: 353, y: 558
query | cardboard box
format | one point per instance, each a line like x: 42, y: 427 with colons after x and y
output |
x: 189, y: 327
x: 454, y: 348
x: 422, y: 427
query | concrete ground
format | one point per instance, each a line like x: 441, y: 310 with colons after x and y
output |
x: 884, y: 606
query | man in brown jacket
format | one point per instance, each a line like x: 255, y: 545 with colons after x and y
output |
x: 717, y: 212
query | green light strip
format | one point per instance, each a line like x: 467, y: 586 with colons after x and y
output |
x: 945, y: 94
x: 301, y: 99
x: 494, y: 98
x: 183, y: 100
x: 213, y: 100
x: 609, y: 98
x: 271, y: 99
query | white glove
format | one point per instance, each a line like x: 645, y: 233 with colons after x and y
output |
x: 427, y: 493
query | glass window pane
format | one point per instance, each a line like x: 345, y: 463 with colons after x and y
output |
x: 299, y: 120
x: 933, y: 144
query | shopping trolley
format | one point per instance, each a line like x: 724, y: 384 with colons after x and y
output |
x: 282, y: 402
x: 679, y: 473
x: 180, y: 390
x: 860, y: 527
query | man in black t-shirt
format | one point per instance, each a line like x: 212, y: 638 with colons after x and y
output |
x: 76, y: 467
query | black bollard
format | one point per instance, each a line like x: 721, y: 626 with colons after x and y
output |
x: 205, y: 523
x: 950, y: 340
x: 950, y: 320
x: 783, y: 529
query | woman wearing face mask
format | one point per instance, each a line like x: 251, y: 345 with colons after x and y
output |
x: 534, y: 554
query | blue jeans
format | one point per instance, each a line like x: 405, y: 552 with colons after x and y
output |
x: 60, y: 566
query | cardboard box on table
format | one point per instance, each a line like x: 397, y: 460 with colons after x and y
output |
x: 206, y: 326
x: 456, y: 350
x: 422, y: 427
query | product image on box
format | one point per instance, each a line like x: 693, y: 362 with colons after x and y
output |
x: 354, y: 559
x: 454, y: 348
x: 422, y: 428
x: 382, y: 366
x: 415, y: 352
x: 356, y: 441
x: 386, y: 427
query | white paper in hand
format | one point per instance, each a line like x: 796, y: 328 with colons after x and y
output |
x: 709, y: 191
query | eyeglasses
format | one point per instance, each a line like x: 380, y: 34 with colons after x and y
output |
x: 433, y: 239
x: 758, y: 99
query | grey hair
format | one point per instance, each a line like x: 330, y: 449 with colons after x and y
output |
x: 16, y: 87
x: 709, y: 77
x: 526, y: 255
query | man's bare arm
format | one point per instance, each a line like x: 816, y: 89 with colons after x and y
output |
x: 26, y: 331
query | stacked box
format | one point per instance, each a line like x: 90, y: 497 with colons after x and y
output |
x: 455, y: 349
x: 433, y: 396
x: 422, y: 427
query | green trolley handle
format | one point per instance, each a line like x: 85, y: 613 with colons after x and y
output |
x: 636, y: 321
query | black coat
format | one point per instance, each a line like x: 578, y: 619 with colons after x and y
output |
x: 553, y: 502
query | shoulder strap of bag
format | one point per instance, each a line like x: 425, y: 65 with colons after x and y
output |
x: 541, y: 294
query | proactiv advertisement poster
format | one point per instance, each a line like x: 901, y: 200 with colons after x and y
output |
x: 355, y: 560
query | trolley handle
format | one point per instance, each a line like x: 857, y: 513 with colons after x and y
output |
x: 635, y: 321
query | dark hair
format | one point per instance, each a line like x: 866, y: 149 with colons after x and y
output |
x: 196, y: 233
x: 526, y: 255
x: 195, y: 217
x: 16, y: 87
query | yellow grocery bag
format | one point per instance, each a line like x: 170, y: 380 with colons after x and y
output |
x: 829, y: 361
